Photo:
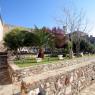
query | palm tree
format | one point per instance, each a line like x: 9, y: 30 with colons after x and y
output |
x: 44, y: 40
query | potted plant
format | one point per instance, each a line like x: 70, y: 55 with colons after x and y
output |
x: 60, y: 57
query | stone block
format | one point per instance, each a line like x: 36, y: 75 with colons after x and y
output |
x: 68, y: 90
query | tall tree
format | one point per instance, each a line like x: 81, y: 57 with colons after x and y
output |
x: 60, y: 37
x: 12, y: 40
x: 74, y: 21
x: 16, y: 39
x: 44, y: 39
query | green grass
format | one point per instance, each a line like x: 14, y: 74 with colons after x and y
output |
x: 26, y: 62
x: 32, y: 61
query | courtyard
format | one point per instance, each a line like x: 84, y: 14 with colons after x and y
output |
x: 47, y: 47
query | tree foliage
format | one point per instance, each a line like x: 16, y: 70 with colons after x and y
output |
x: 44, y: 40
x: 13, y: 39
x: 43, y: 37
x: 86, y: 46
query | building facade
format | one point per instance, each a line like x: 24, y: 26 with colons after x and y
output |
x: 1, y: 29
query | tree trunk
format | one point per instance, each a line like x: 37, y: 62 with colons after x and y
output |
x: 17, y: 55
x: 41, y: 53
x: 77, y: 48
x: 71, y: 53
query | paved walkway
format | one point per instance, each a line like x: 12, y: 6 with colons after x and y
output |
x: 89, y: 90
x: 6, y: 88
x: 5, y: 83
x: 9, y: 89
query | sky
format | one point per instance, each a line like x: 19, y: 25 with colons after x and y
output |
x: 28, y: 13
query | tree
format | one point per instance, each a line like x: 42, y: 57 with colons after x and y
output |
x: 11, y: 40
x: 43, y: 40
x: 16, y: 39
x: 29, y: 39
x: 60, y: 38
x: 86, y: 46
x: 74, y: 21
x: 76, y: 41
x: 67, y: 47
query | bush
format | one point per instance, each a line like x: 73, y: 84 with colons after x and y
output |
x: 67, y: 48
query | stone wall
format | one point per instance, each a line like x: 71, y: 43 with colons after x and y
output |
x: 63, y: 78
x: 3, y: 60
x: 61, y: 82
x: 4, y: 75
x: 19, y: 73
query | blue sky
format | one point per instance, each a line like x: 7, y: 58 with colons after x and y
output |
x: 42, y: 12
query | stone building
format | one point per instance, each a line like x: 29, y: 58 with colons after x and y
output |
x: 4, y: 28
x: 78, y: 33
x: 1, y: 29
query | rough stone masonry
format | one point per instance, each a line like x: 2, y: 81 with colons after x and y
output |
x: 69, y: 80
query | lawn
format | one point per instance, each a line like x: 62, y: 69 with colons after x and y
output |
x: 32, y: 61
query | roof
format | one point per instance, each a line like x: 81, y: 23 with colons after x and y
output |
x: 80, y: 33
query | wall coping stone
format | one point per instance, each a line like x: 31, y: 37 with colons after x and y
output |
x: 13, y: 66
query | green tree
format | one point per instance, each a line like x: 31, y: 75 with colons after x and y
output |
x: 29, y: 39
x: 14, y: 40
x: 67, y: 48
x: 86, y: 46
x: 43, y: 40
